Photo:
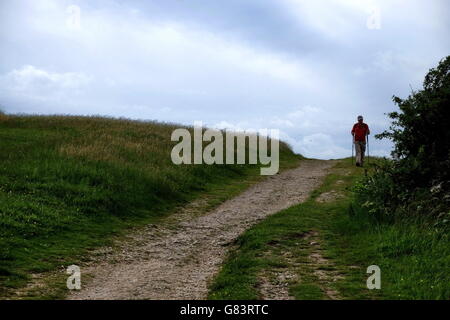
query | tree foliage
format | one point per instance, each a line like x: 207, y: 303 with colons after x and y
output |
x: 420, y: 131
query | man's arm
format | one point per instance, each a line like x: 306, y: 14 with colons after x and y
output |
x: 368, y: 130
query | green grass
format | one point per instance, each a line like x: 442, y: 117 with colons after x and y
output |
x: 413, y: 256
x: 69, y: 184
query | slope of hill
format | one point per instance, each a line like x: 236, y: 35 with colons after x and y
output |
x: 68, y: 183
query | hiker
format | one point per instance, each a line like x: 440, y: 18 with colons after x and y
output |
x: 359, y: 132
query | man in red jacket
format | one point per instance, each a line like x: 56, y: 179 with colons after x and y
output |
x: 360, y: 131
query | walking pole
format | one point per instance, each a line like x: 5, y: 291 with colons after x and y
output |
x: 353, y: 150
x: 368, y: 150
x: 353, y: 145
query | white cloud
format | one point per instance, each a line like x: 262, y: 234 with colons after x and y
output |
x: 320, y: 145
x: 334, y: 19
x: 126, y: 38
x: 306, y: 129
x: 32, y: 82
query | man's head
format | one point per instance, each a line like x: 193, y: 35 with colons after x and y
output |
x: 360, y: 119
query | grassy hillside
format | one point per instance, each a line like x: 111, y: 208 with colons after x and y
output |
x: 68, y: 183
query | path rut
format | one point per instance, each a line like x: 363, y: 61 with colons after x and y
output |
x: 178, y: 263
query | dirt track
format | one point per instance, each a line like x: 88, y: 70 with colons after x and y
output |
x: 165, y: 262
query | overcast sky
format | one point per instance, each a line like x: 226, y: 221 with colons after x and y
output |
x: 306, y: 67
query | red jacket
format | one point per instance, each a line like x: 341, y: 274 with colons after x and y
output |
x: 360, y: 130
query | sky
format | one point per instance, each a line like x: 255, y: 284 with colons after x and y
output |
x: 305, y: 67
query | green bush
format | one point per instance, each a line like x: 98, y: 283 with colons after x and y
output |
x: 420, y: 132
x: 416, y: 182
